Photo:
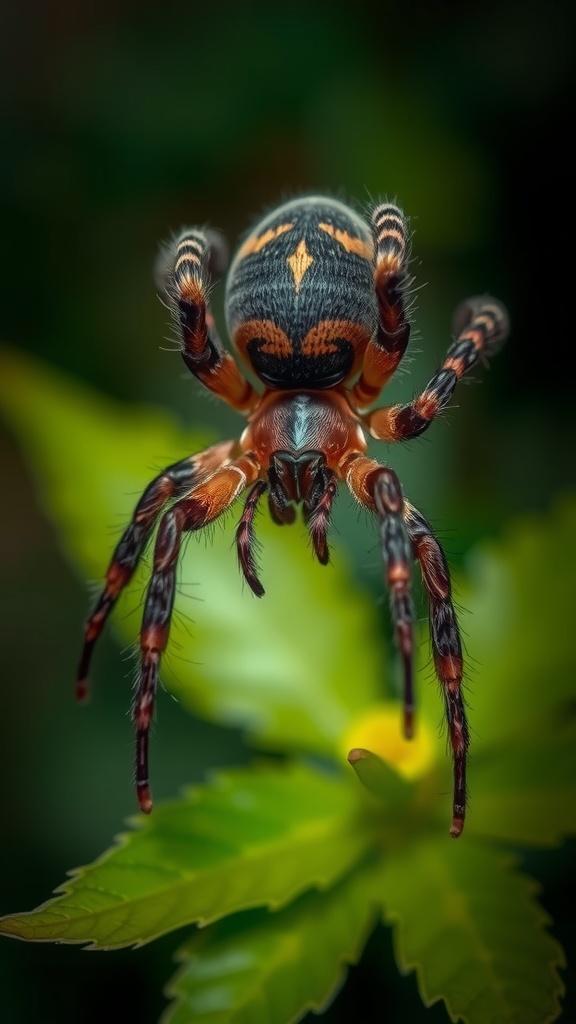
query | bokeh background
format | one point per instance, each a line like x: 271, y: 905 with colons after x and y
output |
x: 121, y: 123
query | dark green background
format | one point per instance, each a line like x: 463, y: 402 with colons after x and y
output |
x: 118, y: 128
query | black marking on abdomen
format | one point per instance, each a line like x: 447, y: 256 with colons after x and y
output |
x: 299, y: 371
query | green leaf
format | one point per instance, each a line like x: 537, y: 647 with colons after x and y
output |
x: 378, y: 778
x: 525, y: 791
x: 470, y: 926
x: 261, y: 968
x: 517, y: 617
x: 291, y: 668
x: 249, y: 838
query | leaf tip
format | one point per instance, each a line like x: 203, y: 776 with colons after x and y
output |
x: 358, y: 754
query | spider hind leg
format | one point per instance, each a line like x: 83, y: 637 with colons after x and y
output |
x: 446, y: 650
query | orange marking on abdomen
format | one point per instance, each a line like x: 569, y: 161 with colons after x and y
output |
x: 257, y: 242
x: 277, y: 342
x: 321, y: 338
x: 349, y: 242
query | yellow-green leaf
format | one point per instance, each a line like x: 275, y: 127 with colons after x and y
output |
x: 250, y: 838
x: 291, y: 668
x: 262, y: 968
x: 379, y: 778
x: 468, y: 923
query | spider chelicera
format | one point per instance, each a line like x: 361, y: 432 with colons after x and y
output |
x: 316, y: 304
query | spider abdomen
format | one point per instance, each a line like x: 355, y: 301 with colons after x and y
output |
x: 300, y: 298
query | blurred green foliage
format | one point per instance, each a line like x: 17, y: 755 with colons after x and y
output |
x: 119, y: 123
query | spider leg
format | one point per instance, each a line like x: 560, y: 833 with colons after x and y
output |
x: 446, y: 649
x: 481, y: 327
x: 384, y: 352
x: 317, y: 515
x: 201, y: 506
x: 173, y: 482
x: 186, y: 287
x: 245, y: 539
x: 378, y: 488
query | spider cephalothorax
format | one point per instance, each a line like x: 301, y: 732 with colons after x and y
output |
x: 316, y: 306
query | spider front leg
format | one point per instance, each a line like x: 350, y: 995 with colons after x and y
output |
x: 245, y: 540
x: 481, y: 327
x: 446, y: 649
x: 378, y: 488
x: 185, y: 281
x: 317, y: 514
x: 201, y: 506
x: 384, y: 352
x: 173, y: 482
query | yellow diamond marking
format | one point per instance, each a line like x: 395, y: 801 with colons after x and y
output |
x: 299, y: 262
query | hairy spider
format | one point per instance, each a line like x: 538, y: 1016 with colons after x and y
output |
x: 316, y: 304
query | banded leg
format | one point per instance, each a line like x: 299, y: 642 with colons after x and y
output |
x: 317, y: 515
x: 204, y: 504
x: 481, y: 327
x: 446, y: 649
x: 171, y: 483
x: 384, y: 352
x: 245, y: 539
x: 379, y: 489
x: 186, y: 287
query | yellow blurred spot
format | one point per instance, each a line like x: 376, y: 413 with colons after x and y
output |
x: 379, y: 729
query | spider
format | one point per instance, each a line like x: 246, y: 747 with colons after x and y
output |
x: 316, y: 304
